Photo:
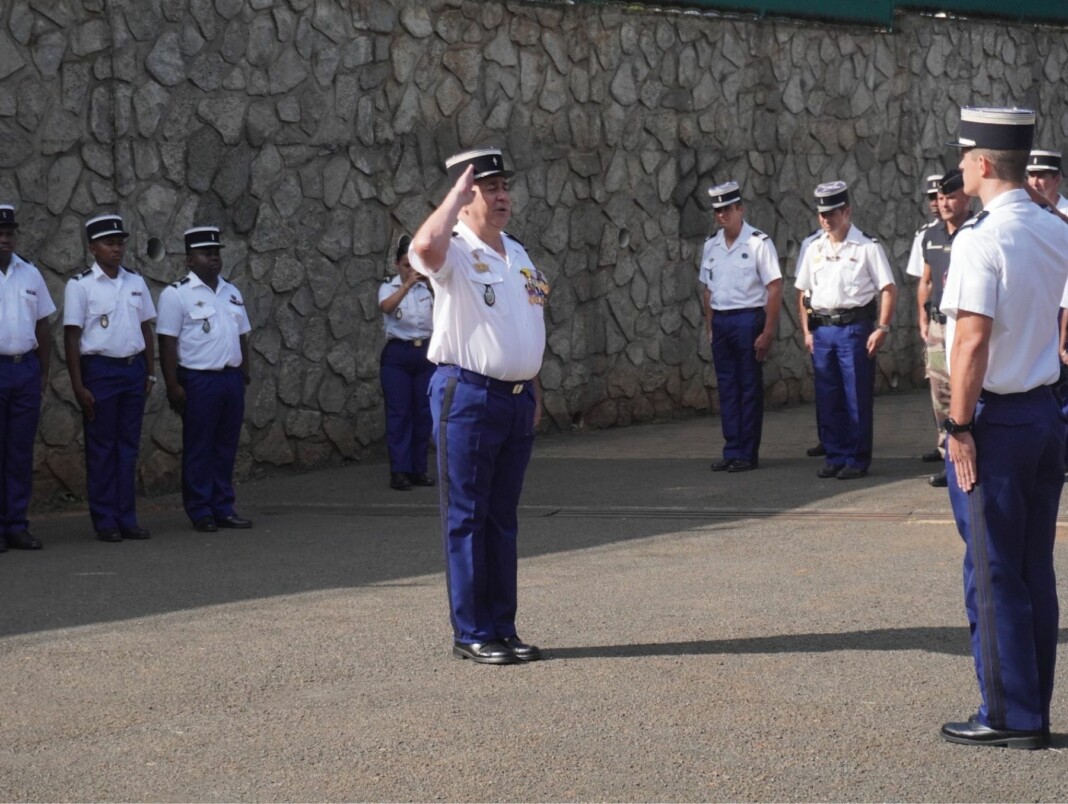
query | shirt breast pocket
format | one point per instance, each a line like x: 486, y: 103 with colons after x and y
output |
x: 99, y: 311
x: 203, y: 320
x: 490, y: 289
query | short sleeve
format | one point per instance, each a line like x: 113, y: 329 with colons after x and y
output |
x: 879, y: 266
x: 45, y: 305
x: 972, y: 278
x: 703, y: 274
x: 916, y: 261
x: 768, y: 262
x: 445, y: 271
x: 169, y: 319
x: 74, y: 304
x: 148, y: 309
x: 803, y: 280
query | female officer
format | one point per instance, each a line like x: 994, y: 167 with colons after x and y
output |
x: 407, y: 311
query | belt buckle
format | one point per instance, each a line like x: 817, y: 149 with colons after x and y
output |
x: 417, y: 342
x: 16, y: 358
x: 518, y: 388
x: 836, y: 318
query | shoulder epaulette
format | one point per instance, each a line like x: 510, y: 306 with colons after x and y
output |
x: 455, y: 233
x: 130, y: 271
x: 971, y: 223
x: 872, y: 239
x: 760, y: 234
x: 83, y: 274
x: 516, y: 239
x: 179, y: 283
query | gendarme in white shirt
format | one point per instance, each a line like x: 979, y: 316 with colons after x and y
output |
x: 413, y: 319
x: 1008, y: 264
x: 108, y: 311
x: 208, y: 324
x: 488, y: 309
x: 24, y: 301
x: 737, y: 277
x: 844, y: 275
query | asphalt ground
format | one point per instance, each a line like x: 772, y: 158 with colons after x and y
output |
x: 758, y: 636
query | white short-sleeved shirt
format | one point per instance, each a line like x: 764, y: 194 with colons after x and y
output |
x: 1062, y: 204
x: 808, y: 241
x: 488, y: 308
x: 737, y: 277
x: 414, y: 317
x: 24, y: 300
x: 208, y: 323
x: 849, y: 274
x: 1008, y: 264
x: 108, y: 311
x: 916, y: 258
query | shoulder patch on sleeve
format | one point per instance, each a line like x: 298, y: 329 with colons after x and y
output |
x: 516, y: 239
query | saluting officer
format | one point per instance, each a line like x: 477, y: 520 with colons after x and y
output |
x: 844, y: 270
x: 407, y: 307
x: 1006, y: 433
x: 742, y: 298
x: 25, y: 349
x: 1044, y: 174
x: 107, y: 335
x: 203, y: 353
x: 488, y: 341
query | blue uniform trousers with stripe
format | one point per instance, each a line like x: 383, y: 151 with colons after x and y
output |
x: 113, y: 438
x: 484, y: 434
x: 405, y: 373
x: 20, y: 410
x: 845, y: 392
x: 1008, y: 524
x: 211, y: 429
x: 740, y: 380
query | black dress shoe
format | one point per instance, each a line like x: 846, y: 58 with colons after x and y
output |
x: 234, y: 522
x: 522, y: 651
x: 205, y: 524
x: 723, y: 465
x: 975, y: 733
x: 742, y: 465
x: 817, y: 451
x: 421, y: 480
x: 135, y: 533
x: 939, y: 481
x: 829, y: 470
x: 934, y: 456
x: 851, y: 473
x: 400, y: 482
x: 23, y: 540
x: 494, y: 652
x: 109, y: 535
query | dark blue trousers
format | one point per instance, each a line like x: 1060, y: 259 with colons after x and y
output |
x: 405, y: 374
x: 20, y: 409
x: 740, y: 379
x: 845, y: 392
x: 485, y: 435
x: 113, y: 438
x: 211, y: 429
x: 1008, y: 524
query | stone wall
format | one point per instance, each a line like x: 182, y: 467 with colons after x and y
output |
x: 313, y: 132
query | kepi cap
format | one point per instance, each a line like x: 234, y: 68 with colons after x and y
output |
x: 996, y: 129
x: 402, y: 247
x: 831, y: 195
x: 932, y: 183
x: 487, y: 161
x: 202, y: 237
x: 723, y: 195
x: 1041, y: 161
x: 105, y: 226
x: 7, y: 216
x: 951, y: 182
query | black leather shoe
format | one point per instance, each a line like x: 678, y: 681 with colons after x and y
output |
x: 817, y: 451
x: 23, y: 540
x: 421, y: 480
x: 109, y: 535
x: 135, y: 533
x: 234, y: 522
x: 975, y: 733
x: 205, y: 525
x: 522, y: 651
x: 939, y: 481
x: 494, y: 652
x: 829, y: 470
x: 723, y: 465
x: 934, y: 456
x: 742, y: 465
x: 400, y: 482
x: 851, y: 473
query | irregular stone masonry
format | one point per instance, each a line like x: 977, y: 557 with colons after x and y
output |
x: 314, y: 131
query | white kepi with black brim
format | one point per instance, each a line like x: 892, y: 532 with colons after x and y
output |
x: 996, y: 129
x: 723, y: 195
x: 831, y: 195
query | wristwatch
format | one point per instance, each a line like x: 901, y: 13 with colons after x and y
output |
x: 951, y: 427
x: 152, y: 379
x: 883, y: 328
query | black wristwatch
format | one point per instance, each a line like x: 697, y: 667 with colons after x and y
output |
x: 951, y: 427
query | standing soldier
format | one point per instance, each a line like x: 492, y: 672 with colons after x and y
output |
x: 742, y: 299
x: 203, y: 352
x: 107, y: 335
x: 25, y: 348
x: 844, y: 270
x: 1006, y: 433
x: 488, y: 341
x: 954, y: 209
x: 914, y: 267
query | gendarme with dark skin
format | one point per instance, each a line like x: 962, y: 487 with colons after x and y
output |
x: 42, y: 332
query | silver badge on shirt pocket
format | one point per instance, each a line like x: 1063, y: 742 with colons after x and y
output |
x: 206, y: 326
x: 489, y: 295
x: 104, y: 321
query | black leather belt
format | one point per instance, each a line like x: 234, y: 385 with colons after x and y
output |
x: 14, y: 358
x: 841, y: 316
x: 490, y: 383
x: 417, y: 342
x: 738, y: 311
x: 125, y: 361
